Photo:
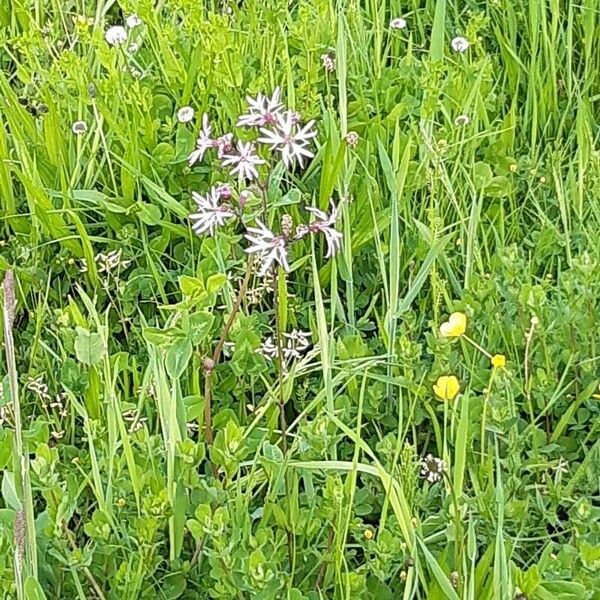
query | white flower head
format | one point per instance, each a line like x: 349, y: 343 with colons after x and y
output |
x: 79, y: 127
x: 211, y: 214
x: 289, y: 138
x: 185, y: 114
x: 133, y: 21
x: 244, y: 161
x: 398, y: 23
x: 432, y: 468
x: 133, y: 47
x: 325, y: 224
x: 462, y: 120
x: 460, y: 44
x: 111, y: 261
x: 328, y: 61
x: 271, y: 248
x: 262, y: 110
x: 268, y: 349
x: 116, y: 35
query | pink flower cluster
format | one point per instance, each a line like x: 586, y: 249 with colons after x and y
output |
x: 281, y: 131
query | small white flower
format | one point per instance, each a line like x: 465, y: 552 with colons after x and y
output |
x: 462, y: 121
x: 244, y: 162
x: 203, y: 143
x: 432, y: 468
x: 210, y: 213
x: 133, y: 21
x: 270, y: 247
x: 460, y: 44
x: 398, y: 23
x: 79, y: 127
x: 268, y: 349
x: 185, y: 114
x: 133, y: 47
x: 116, y: 35
x: 328, y: 62
x: 262, y: 110
x: 325, y: 224
x: 297, y: 343
x: 352, y: 139
x: 111, y: 261
x: 38, y: 386
x: 289, y: 138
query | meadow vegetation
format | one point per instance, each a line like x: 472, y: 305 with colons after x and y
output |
x: 300, y: 299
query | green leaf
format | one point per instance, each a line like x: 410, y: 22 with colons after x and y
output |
x: 33, y: 589
x: 421, y: 276
x: 161, y: 337
x: 149, y: 214
x: 88, y: 347
x: 482, y: 175
x: 215, y: 282
x: 9, y: 491
x: 191, y: 286
x: 178, y: 357
x: 438, y: 573
x: 436, y: 48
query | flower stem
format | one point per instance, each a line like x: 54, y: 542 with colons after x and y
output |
x: 216, y: 355
x: 476, y: 345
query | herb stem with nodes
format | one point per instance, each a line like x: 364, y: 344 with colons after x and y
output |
x: 210, y: 363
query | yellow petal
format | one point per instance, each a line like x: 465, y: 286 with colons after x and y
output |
x: 447, y: 387
x: 455, y: 326
x: 498, y: 361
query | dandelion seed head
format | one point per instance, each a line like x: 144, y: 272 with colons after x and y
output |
x: 79, y: 127
x: 398, y: 23
x: 116, y: 35
x: 185, y: 114
x: 462, y: 121
x: 460, y: 44
x: 133, y: 21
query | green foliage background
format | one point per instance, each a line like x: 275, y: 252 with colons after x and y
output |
x: 498, y: 219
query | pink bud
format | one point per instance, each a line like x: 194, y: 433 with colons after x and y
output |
x: 244, y: 196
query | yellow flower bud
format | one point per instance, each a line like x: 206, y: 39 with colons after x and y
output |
x: 498, y: 361
x: 455, y: 326
x: 447, y: 387
x: 368, y: 534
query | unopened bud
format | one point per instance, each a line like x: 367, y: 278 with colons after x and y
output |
x: 244, y: 196
x: 287, y: 224
x: 208, y: 364
x: 352, y: 139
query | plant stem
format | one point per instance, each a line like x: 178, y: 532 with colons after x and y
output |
x: 216, y: 355
x: 484, y: 414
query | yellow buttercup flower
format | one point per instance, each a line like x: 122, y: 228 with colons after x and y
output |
x: 447, y: 387
x: 498, y: 361
x: 455, y: 326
